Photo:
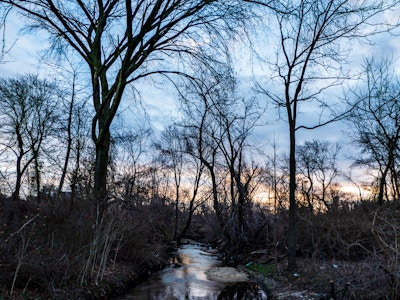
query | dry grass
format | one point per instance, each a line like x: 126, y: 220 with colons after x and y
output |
x: 54, y: 251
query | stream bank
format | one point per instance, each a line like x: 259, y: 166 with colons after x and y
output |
x: 196, y: 272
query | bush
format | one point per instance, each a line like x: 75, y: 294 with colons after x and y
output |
x: 54, y: 248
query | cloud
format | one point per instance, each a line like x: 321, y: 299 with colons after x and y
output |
x: 23, y: 55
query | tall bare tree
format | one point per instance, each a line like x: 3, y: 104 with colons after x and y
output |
x: 375, y: 124
x: 70, y: 124
x: 309, y: 60
x: 219, y: 124
x: 121, y: 42
x: 202, y: 132
x: 237, y: 122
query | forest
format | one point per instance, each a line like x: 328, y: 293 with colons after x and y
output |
x: 147, y: 124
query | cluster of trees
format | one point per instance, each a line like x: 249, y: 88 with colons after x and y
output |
x: 206, y: 155
x: 38, y: 117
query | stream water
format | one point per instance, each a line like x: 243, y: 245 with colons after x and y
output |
x: 185, y: 278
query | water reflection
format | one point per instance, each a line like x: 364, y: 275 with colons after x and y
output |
x: 185, y: 278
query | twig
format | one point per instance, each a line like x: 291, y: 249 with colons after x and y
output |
x: 21, y: 228
x: 22, y: 252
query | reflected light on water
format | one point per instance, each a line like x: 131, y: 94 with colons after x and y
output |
x: 185, y: 278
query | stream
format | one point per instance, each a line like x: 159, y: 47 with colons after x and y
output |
x: 185, y: 278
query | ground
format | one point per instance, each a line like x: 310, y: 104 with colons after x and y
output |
x: 324, y: 279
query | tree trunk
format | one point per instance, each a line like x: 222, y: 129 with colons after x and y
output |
x: 100, y: 173
x: 18, y: 180
x: 37, y: 176
x: 180, y: 236
x: 20, y: 170
x: 176, y: 213
x: 15, y: 194
x: 292, y: 201
x: 69, y: 142
x: 64, y: 170
x: 382, y: 186
x: 242, y: 195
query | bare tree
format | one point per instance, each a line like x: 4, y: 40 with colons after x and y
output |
x: 274, y: 176
x: 171, y: 154
x: 121, y: 42
x: 70, y: 125
x: 317, y: 164
x: 375, y: 125
x: 219, y: 124
x: 200, y: 132
x: 186, y: 172
x: 309, y: 61
x: 80, y: 173
x: 195, y: 195
x: 237, y: 122
x: 132, y: 146
x: 28, y: 117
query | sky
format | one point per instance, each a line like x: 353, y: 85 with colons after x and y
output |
x: 161, y: 106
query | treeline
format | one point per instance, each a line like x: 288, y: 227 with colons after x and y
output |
x: 206, y: 156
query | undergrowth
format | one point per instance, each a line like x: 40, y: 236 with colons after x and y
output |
x: 57, y: 251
